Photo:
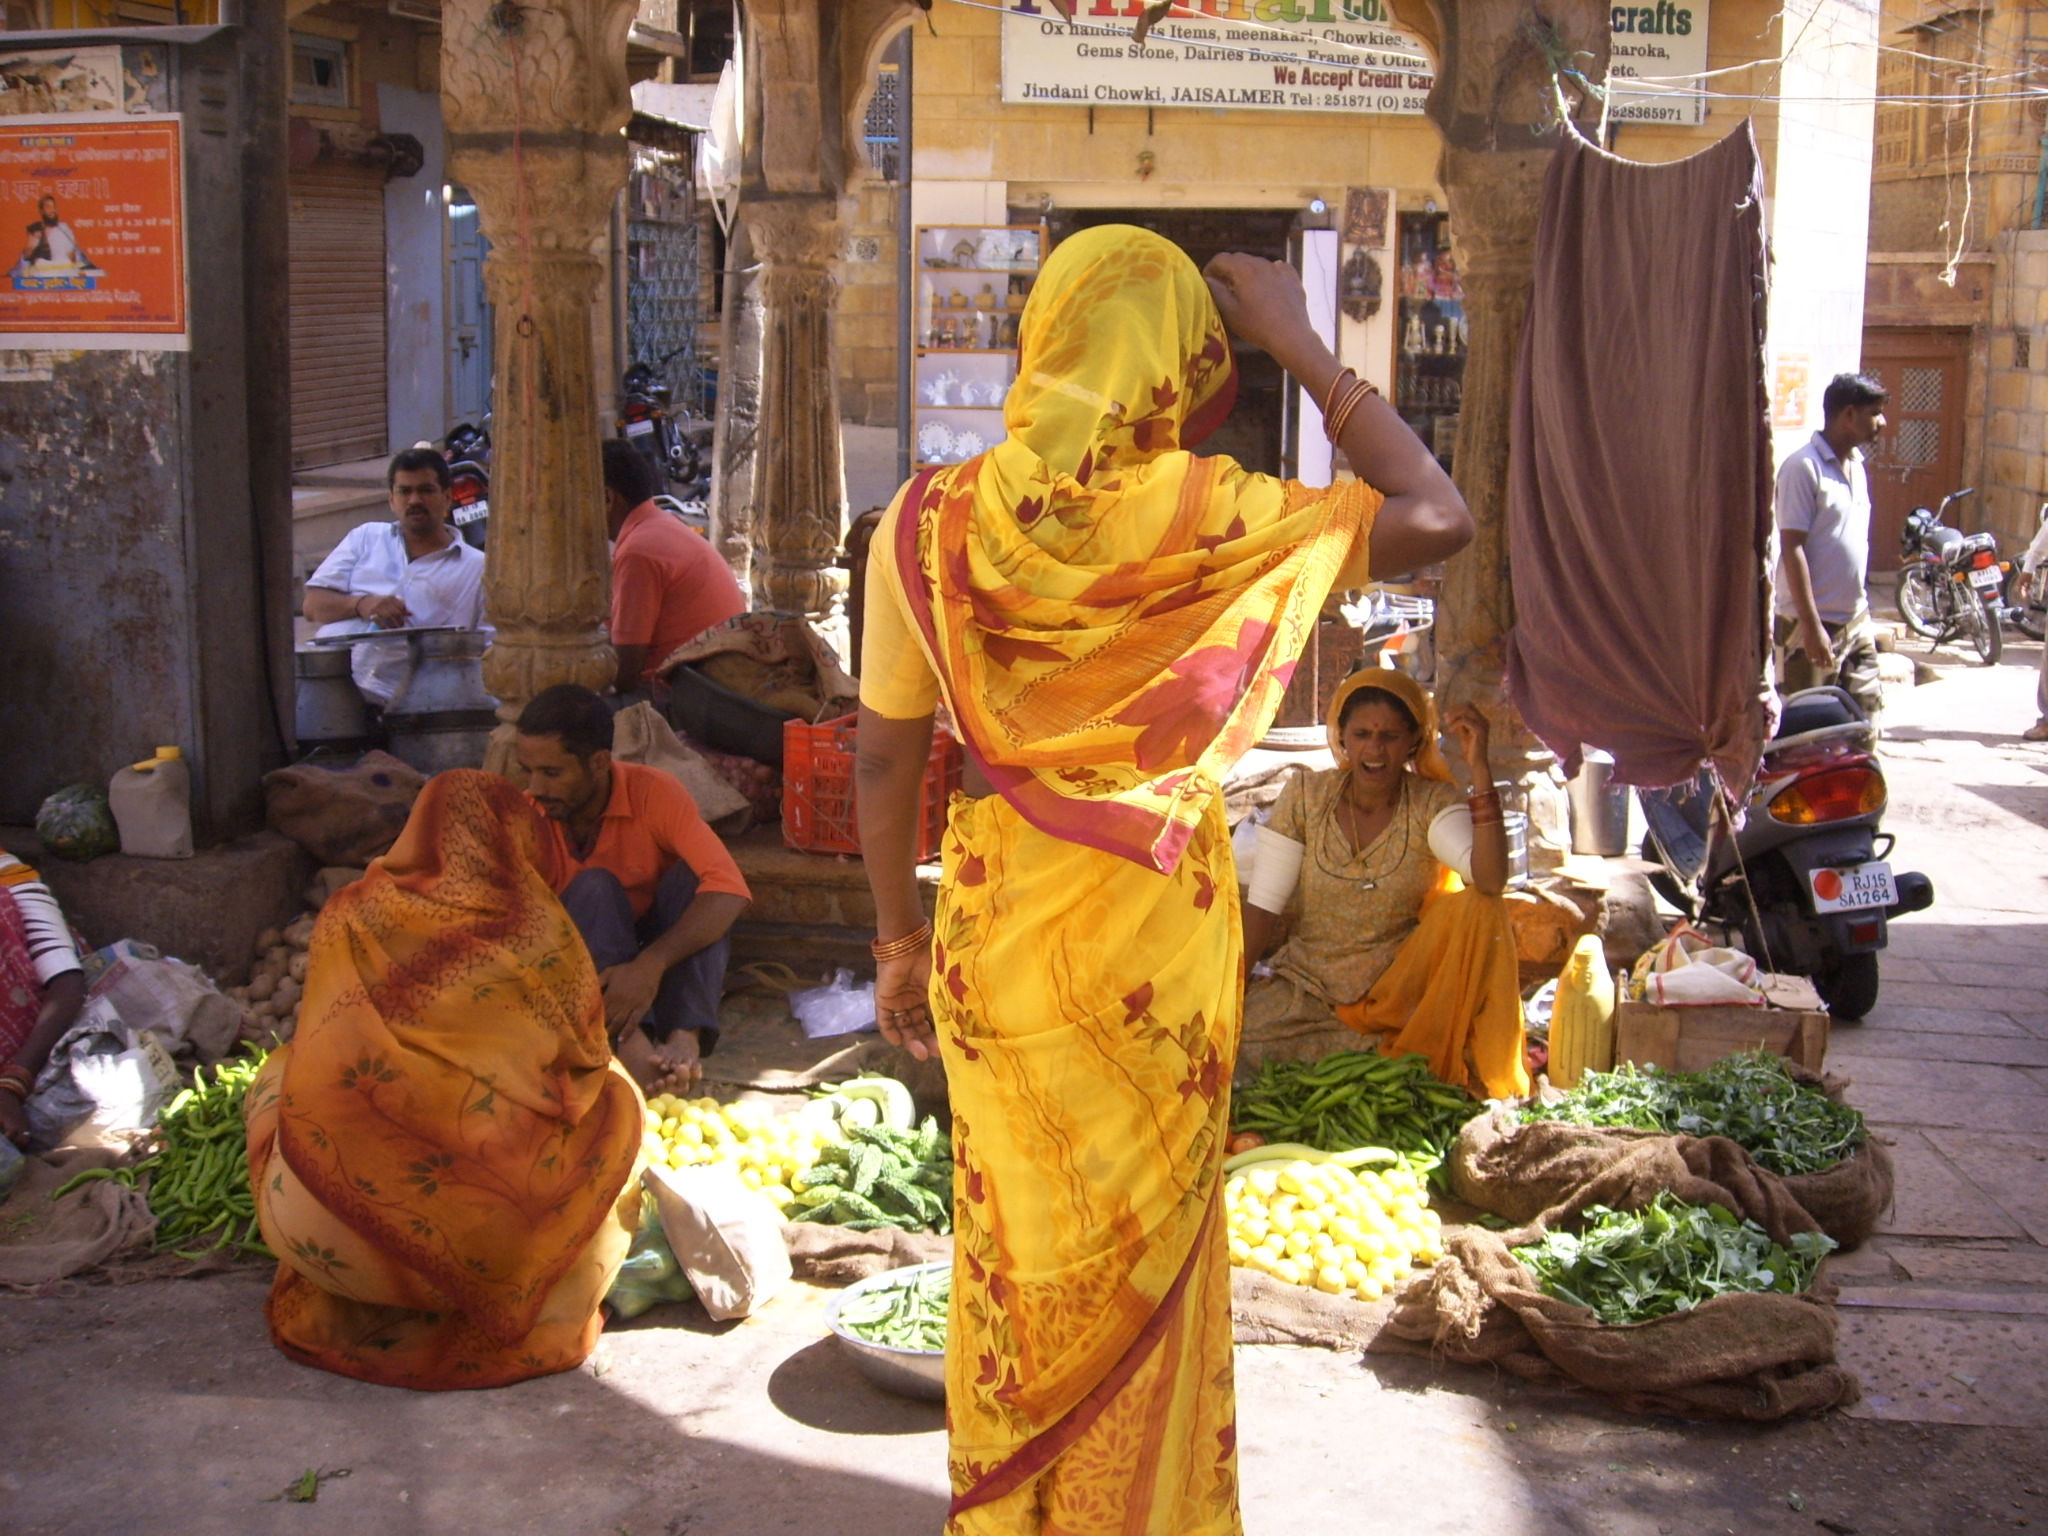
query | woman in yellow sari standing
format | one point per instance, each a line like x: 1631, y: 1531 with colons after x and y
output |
x: 1111, y: 621
x: 444, y: 1157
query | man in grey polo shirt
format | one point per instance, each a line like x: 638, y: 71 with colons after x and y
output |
x: 1823, y: 631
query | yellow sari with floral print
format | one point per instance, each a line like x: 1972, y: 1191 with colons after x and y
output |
x: 1111, y: 621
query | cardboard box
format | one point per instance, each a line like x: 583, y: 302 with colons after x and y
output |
x: 1794, y: 1025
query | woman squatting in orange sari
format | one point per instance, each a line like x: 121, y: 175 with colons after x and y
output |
x: 1111, y: 621
x: 445, y: 1158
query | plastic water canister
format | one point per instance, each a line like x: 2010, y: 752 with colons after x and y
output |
x: 152, y: 804
x: 1582, y: 1016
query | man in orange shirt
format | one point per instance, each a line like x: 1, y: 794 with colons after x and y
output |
x: 652, y: 890
x: 668, y: 584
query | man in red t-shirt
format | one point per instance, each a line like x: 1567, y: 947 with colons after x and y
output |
x: 651, y: 888
x: 668, y: 584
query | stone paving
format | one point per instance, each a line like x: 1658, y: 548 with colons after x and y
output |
x: 1945, y: 1313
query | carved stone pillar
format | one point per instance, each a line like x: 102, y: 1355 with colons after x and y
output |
x: 785, y: 410
x: 534, y: 96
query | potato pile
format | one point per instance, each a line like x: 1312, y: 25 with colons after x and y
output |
x: 270, y: 1001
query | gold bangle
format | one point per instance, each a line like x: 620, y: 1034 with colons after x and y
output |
x: 1330, y: 395
x: 905, y: 944
x: 1333, y: 424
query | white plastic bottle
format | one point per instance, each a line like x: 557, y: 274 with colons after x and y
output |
x: 152, y: 804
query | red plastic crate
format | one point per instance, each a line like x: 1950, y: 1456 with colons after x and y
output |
x: 817, y: 788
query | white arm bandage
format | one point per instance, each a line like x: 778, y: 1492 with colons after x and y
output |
x: 1275, y: 869
x: 1450, y: 839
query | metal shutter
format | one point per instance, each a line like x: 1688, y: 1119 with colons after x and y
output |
x: 337, y: 315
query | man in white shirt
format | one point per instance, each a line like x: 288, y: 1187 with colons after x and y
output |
x: 1823, y: 508
x: 415, y: 572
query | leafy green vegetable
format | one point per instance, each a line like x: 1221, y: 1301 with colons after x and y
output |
x: 909, y: 1314
x: 1631, y: 1266
x: 1750, y: 1098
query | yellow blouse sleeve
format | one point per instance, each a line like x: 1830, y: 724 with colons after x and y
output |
x: 896, y: 679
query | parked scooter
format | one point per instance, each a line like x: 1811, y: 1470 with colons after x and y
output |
x: 1803, y: 880
x: 2029, y: 613
x: 467, y: 448
x: 649, y: 421
x: 1951, y: 584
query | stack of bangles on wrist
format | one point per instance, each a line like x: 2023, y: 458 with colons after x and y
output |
x: 897, y: 949
x: 17, y: 1080
x: 1485, y: 808
x: 1337, y: 408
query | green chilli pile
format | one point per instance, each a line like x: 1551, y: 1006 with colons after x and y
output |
x: 909, y: 1313
x: 199, y: 1175
x: 1751, y: 1098
x: 879, y: 1177
x: 1632, y: 1266
x: 1354, y: 1099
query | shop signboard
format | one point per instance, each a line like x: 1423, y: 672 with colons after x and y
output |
x: 92, y: 226
x: 1299, y: 56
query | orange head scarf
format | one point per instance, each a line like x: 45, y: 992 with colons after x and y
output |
x: 1429, y: 757
x: 1112, y: 619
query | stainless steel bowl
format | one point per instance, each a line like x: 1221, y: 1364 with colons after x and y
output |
x: 917, y: 1373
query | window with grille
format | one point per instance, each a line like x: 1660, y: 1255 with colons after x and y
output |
x: 1916, y: 442
x: 2023, y: 351
x: 1892, y: 146
x: 1949, y: 80
x: 1919, y: 390
x: 883, y: 124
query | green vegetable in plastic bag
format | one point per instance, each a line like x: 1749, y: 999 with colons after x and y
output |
x: 650, y: 1274
x: 77, y: 823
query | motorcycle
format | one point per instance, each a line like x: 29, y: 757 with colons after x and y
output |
x: 1951, y: 584
x: 648, y: 420
x: 467, y: 448
x: 1806, y: 879
x: 2029, y: 614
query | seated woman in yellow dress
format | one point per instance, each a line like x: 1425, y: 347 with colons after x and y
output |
x: 1402, y: 938
x: 445, y: 1157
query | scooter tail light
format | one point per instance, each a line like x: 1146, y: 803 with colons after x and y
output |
x: 1984, y: 559
x: 1835, y: 794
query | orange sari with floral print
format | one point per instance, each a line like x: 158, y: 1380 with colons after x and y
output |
x: 444, y: 1156
x: 1111, y: 621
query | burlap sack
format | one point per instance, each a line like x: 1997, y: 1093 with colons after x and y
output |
x: 43, y: 1240
x: 342, y: 815
x: 1519, y: 1171
x: 640, y: 735
x: 1748, y: 1357
x: 1268, y: 1311
x: 835, y: 1256
x: 1758, y: 1357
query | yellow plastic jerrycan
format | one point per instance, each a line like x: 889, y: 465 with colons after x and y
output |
x: 1582, y: 1018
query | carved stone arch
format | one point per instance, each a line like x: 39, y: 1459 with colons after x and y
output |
x: 867, y: 29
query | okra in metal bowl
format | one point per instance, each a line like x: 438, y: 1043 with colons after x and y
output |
x: 894, y: 1326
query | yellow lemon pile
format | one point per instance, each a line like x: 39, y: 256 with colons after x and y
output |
x: 767, y: 1150
x: 1344, y: 1231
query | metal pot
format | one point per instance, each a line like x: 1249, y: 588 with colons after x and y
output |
x: 442, y: 717
x: 328, y: 711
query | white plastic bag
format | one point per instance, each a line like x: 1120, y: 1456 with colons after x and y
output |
x: 726, y: 1237
x: 837, y: 1008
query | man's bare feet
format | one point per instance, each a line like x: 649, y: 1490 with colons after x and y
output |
x: 671, y: 1067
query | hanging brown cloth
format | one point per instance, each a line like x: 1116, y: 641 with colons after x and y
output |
x: 1639, y: 480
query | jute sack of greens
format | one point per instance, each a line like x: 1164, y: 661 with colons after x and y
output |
x: 1674, y: 1279
x: 1789, y: 1126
